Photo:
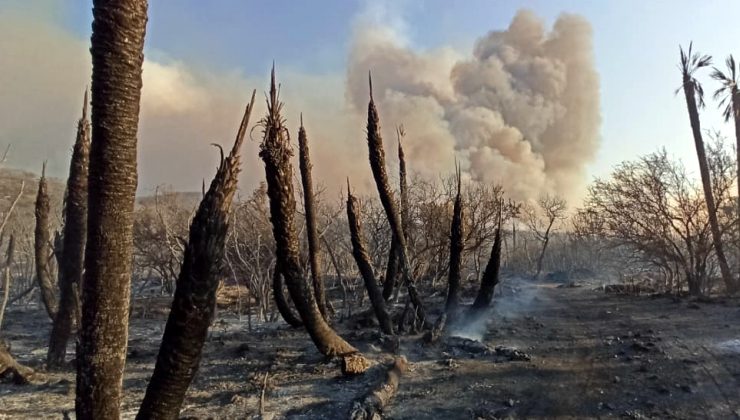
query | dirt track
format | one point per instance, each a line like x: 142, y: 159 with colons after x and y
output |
x: 592, y: 355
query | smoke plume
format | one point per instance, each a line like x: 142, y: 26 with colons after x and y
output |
x: 522, y: 109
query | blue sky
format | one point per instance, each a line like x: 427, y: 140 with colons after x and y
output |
x: 635, y: 45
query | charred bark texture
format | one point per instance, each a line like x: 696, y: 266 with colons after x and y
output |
x: 42, y: 247
x: 490, y: 277
x: 117, y: 46
x: 194, y: 304
x: 311, y: 229
x: 363, y: 264
x: 391, y: 271
x: 281, y: 300
x: 73, y: 243
x: 377, y: 165
x: 276, y: 152
x: 456, y: 250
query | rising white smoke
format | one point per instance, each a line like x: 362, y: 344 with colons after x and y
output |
x: 523, y: 111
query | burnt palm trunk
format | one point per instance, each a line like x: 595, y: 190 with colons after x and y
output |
x: 73, y: 243
x: 456, y: 250
x: 118, y: 31
x: 363, y: 264
x: 194, y: 303
x: 736, y: 114
x: 392, y: 269
x: 42, y: 247
x: 276, y: 152
x: 377, y: 165
x: 490, y: 277
x: 311, y: 229
x: 281, y: 300
x: 706, y: 181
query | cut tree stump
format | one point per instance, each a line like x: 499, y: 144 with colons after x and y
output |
x: 371, y: 406
x: 354, y: 364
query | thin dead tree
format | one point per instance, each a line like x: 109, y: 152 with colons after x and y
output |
x: 117, y: 49
x: 363, y: 264
x: 11, y: 248
x: 7, y: 279
x: 194, y: 304
x: 543, y: 225
x: 377, y: 165
x: 276, y: 152
x: 73, y: 243
x: 457, y: 245
x: 42, y: 246
x: 311, y: 230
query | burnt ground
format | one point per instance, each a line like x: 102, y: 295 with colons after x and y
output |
x: 591, y: 355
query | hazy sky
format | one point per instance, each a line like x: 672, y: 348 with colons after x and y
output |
x: 635, y: 46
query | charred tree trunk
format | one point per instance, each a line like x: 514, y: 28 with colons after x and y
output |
x: 371, y: 406
x: 118, y: 31
x: 281, y: 300
x: 73, y: 243
x: 690, y: 94
x: 276, y: 152
x: 311, y: 229
x: 363, y: 264
x: 391, y: 271
x: 490, y: 277
x: 456, y: 250
x: 194, y: 304
x: 42, y: 247
x: 377, y: 165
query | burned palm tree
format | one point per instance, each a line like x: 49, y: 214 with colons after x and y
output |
x: 363, y: 264
x: 73, y: 243
x: 729, y: 96
x: 690, y: 63
x: 311, y: 230
x: 194, y: 303
x: 391, y: 272
x: 490, y: 276
x: 117, y: 51
x: 42, y: 247
x: 276, y: 152
x: 377, y: 165
x: 456, y: 250
x: 281, y: 300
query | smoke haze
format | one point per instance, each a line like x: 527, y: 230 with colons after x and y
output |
x: 522, y: 110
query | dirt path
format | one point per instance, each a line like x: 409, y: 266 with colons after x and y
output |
x: 592, y: 355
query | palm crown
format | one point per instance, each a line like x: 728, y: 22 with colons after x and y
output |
x: 691, y: 61
x: 728, y: 91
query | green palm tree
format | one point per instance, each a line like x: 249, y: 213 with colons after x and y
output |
x: 690, y: 63
x: 729, y: 96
